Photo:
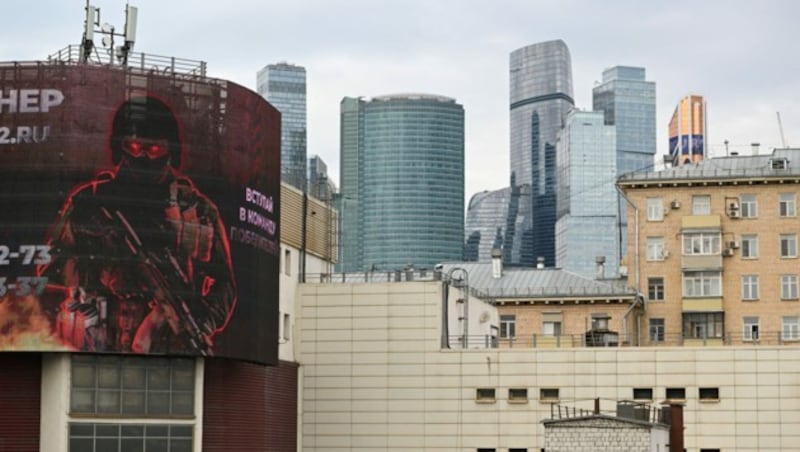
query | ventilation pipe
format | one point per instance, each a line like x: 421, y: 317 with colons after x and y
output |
x: 497, y: 263
x: 540, y: 262
x: 600, y: 261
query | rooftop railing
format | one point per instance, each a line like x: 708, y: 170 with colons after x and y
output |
x: 136, y: 60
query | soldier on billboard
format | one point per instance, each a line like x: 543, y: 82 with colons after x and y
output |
x: 142, y: 254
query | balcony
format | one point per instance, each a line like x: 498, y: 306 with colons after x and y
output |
x: 711, y: 304
x: 701, y: 262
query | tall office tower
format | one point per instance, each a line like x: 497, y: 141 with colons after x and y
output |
x: 284, y: 86
x: 500, y: 219
x: 587, y: 198
x: 688, y: 130
x: 540, y: 97
x: 319, y: 184
x: 402, y: 182
x: 628, y: 102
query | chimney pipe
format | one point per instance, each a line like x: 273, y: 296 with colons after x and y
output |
x: 755, y: 147
x: 497, y: 263
x: 540, y: 262
x: 600, y: 262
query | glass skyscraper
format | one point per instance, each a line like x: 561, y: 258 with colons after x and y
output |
x: 540, y: 96
x: 500, y: 219
x: 587, y: 200
x: 402, y: 182
x: 628, y: 102
x: 284, y: 86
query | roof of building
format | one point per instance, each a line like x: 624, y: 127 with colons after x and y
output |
x: 781, y: 163
x: 516, y: 282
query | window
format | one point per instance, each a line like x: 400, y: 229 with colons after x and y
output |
x: 749, y: 287
x: 486, y: 449
x: 703, y: 325
x: 551, y: 328
x: 287, y: 262
x: 702, y: 284
x: 655, y: 249
x: 508, y: 326
x: 642, y: 393
x: 655, y: 209
x: 791, y: 328
x: 134, y: 386
x: 787, y: 204
x: 548, y: 394
x: 676, y: 393
x: 701, y: 205
x: 702, y: 243
x: 655, y: 289
x: 750, y: 332
x: 708, y: 393
x: 656, y: 330
x: 517, y: 449
x: 287, y: 327
x: 788, y: 287
x: 91, y: 437
x: 518, y: 395
x: 749, y: 206
x: 484, y: 394
x: 788, y: 245
x: 749, y: 246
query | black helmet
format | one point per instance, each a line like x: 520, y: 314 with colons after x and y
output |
x: 146, y: 117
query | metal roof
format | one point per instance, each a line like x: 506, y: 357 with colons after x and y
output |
x: 516, y: 282
x: 730, y: 167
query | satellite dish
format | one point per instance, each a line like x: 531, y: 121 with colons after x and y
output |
x: 106, y: 41
x: 484, y: 317
x: 107, y: 28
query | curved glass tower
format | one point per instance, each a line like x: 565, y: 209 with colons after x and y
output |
x: 540, y: 95
x: 410, y: 190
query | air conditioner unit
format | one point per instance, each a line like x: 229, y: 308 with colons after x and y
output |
x: 727, y: 252
x: 664, y: 254
x: 734, y: 213
x: 623, y: 271
x: 733, y: 244
x: 675, y: 204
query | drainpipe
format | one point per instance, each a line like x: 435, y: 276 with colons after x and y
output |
x: 635, y: 241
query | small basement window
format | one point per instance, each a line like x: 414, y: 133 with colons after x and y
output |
x: 709, y: 394
x: 518, y: 395
x: 642, y: 393
x: 548, y: 394
x: 484, y: 395
x: 676, y: 393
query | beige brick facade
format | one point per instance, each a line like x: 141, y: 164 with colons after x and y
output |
x: 761, y: 219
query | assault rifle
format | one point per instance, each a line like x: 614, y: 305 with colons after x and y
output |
x: 163, y: 274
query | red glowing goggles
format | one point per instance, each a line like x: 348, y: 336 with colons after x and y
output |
x: 152, y: 147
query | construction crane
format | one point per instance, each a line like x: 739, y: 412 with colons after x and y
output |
x: 780, y: 127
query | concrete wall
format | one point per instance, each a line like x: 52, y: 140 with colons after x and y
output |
x: 376, y: 379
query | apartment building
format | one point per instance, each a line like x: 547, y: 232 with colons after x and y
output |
x: 714, y: 248
x: 554, y: 308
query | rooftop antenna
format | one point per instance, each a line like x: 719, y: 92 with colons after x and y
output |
x: 780, y: 127
x: 107, y: 30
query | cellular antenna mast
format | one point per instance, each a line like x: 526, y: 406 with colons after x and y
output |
x: 780, y: 127
x: 92, y: 26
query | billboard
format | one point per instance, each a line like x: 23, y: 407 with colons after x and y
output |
x: 138, y: 213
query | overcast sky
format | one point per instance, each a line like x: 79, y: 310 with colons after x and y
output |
x: 742, y: 56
